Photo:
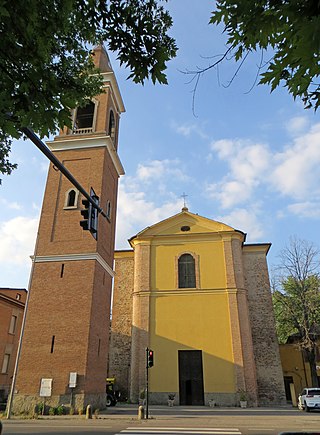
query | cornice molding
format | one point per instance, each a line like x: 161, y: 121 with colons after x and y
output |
x: 172, y: 239
x: 110, y: 77
x: 77, y: 142
x: 11, y: 301
x: 191, y: 291
x: 256, y: 248
x: 74, y: 257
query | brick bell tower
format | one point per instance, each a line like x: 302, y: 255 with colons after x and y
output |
x: 67, y: 324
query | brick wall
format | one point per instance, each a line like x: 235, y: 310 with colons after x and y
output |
x: 12, y: 302
x: 265, y: 343
x: 68, y: 320
x: 121, y: 323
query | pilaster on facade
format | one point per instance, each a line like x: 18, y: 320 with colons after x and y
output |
x: 245, y: 370
x: 140, y: 318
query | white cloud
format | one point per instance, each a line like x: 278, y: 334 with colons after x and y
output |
x: 146, y: 198
x: 245, y: 220
x: 292, y: 172
x: 229, y: 193
x: 12, y: 205
x: 136, y: 212
x: 225, y: 147
x: 248, y: 163
x: 158, y: 169
x: 187, y: 130
x: 247, y: 160
x: 296, y: 171
x: 297, y: 124
x: 36, y: 207
x: 306, y: 209
x: 17, y: 240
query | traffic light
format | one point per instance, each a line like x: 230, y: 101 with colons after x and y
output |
x: 94, y: 215
x: 87, y: 214
x: 90, y: 215
x: 149, y: 358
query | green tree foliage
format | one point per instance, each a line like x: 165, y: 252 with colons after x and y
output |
x: 45, y: 63
x: 290, y: 28
x: 296, y: 299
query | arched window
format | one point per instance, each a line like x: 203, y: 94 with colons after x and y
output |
x: 112, y: 125
x: 84, y: 116
x: 187, y: 272
x: 71, y: 199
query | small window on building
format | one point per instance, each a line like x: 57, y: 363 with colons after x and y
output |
x: 186, y: 271
x: 112, y: 125
x: 108, y: 210
x: 84, y: 117
x: 13, y: 325
x: 5, y: 363
x: 71, y: 199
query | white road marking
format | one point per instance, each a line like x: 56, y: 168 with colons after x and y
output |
x: 187, y: 428
x: 180, y: 430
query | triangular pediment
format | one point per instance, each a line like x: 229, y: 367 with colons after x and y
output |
x: 184, y: 222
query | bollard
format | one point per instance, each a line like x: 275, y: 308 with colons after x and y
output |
x: 140, y: 412
x: 88, y: 412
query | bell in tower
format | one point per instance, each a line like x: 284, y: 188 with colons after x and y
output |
x: 65, y: 344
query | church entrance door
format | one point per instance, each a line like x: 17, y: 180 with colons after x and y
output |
x: 191, y: 377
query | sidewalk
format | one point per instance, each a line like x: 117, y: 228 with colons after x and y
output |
x: 130, y: 412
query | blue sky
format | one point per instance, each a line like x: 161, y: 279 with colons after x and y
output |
x: 248, y: 158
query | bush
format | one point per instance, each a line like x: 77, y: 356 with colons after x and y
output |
x: 60, y: 410
x: 39, y: 407
x: 52, y: 411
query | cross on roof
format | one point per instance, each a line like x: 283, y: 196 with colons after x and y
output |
x: 184, y: 196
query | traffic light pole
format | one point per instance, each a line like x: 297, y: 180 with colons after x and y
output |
x: 45, y: 150
x: 147, y: 384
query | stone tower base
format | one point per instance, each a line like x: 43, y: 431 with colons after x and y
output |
x: 23, y: 404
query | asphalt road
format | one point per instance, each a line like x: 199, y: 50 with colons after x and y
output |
x: 174, y: 421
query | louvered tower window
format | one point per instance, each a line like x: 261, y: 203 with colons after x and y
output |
x: 84, y: 116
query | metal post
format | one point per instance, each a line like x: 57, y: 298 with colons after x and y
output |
x: 147, y: 385
x: 71, y: 397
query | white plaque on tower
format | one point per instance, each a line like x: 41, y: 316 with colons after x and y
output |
x: 73, y: 380
x: 45, y: 387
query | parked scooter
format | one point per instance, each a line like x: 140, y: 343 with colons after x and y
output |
x: 112, y: 395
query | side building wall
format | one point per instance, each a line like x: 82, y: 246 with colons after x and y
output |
x: 121, y: 323
x: 12, y: 303
x: 265, y: 343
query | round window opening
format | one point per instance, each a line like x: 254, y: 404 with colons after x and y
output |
x: 185, y: 228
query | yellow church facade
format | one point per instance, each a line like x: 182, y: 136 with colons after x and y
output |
x: 198, y: 296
